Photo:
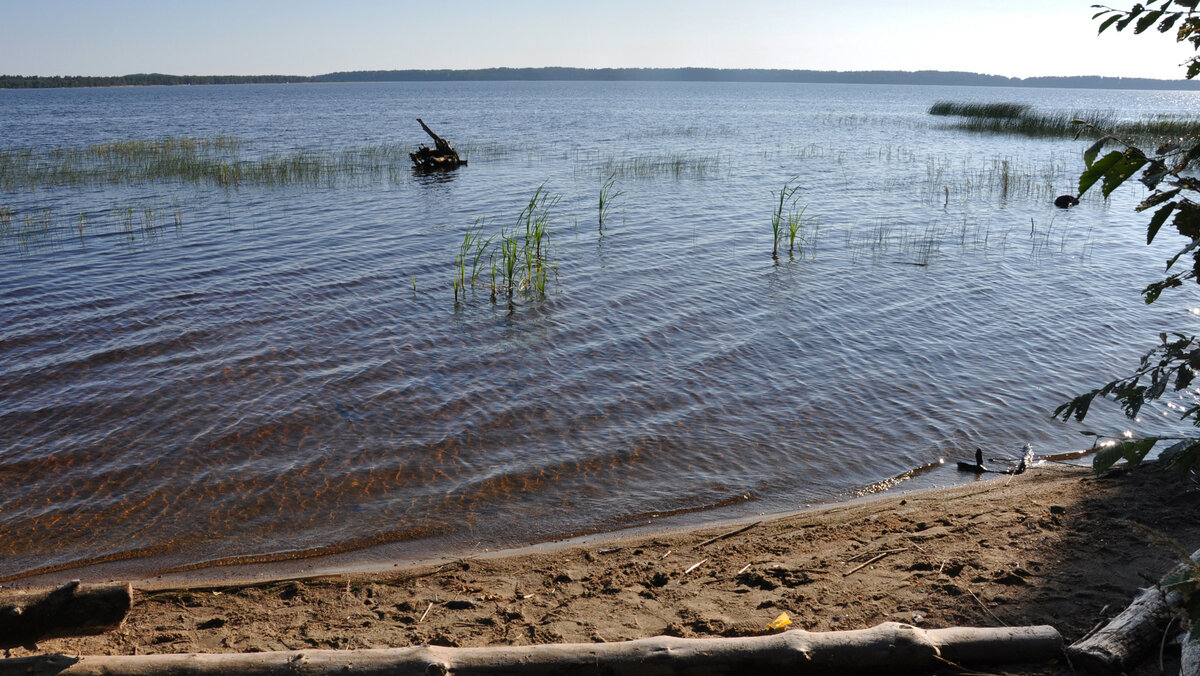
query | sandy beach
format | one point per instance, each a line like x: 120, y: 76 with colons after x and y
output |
x: 1057, y: 545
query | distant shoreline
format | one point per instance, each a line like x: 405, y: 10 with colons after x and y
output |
x: 893, y: 77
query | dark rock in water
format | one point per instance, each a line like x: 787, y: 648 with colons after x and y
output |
x: 1065, y: 201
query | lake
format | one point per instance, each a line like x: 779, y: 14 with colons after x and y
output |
x: 195, y: 375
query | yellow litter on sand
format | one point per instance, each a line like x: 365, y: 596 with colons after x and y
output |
x: 780, y: 622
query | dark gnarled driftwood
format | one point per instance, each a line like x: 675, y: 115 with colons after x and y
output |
x: 438, y: 158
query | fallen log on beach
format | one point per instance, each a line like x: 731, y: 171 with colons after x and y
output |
x: 1138, y: 629
x: 885, y: 647
x: 70, y: 610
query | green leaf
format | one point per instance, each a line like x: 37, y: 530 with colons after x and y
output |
x: 1158, y: 219
x: 1133, y: 14
x: 1184, y: 377
x: 1147, y: 21
x: 1187, y: 220
x: 1089, y: 155
x: 1177, y: 578
x: 1169, y: 22
x: 1106, y: 457
x: 1131, y: 161
x: 1108, y: 22
x: 1193, y: 610
x: 1184, y: 250
x: 1157, y: 199
x: 1135, y: 451
x: 1154, y: 289
x: 1077, y: 407
x: 1097, y: 169
x: 1181, y: 456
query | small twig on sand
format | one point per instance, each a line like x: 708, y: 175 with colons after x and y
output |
x: 744, y: 569
x: 1099, y: 623
x: 664, y: 556
x: 877, y: 553
x: 1162, y: 646
x: 985, y: 608
x: 731, y: 533
x: 426, y: 613
x: 694, y: 566
x: 871, y: 560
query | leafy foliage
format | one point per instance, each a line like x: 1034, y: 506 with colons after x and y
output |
x: 1174, y: 198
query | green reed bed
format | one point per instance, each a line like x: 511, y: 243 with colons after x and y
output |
x: 38, y: 227
x: 987, y: 110
x: 1020, y: 119
x: 1002, y: 178
x: 885, y: 241
x: 519, y: 256
x: 675, y: 165
x: 218, y: 161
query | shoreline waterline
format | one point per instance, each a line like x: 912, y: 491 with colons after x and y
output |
x: 932, y: 480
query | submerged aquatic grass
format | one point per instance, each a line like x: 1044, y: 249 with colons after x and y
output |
x: 1020, y: 119
x: 41, y: 227
x: 216, y: 161
x: 675, y: 165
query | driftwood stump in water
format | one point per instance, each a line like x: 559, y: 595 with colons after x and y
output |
x: 439, y: 158
x: 885, y: 648
x: 70, y: 610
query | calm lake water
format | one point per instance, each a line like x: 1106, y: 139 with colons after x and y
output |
x: 193, y: 374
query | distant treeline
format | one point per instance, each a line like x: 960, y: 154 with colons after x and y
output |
x: 921, y: 77
x: 138, y: 79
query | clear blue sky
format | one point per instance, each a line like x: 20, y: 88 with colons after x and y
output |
x: 1017, y: 38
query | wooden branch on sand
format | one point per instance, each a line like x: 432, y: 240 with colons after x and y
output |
x: 1130, y: 635
x: 70, y: 610
x: 886, y: 647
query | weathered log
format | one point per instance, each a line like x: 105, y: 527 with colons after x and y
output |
x: 1189, y: 655
x: 888, y: 646
x: 70, y: 610
x: 1119, y: 644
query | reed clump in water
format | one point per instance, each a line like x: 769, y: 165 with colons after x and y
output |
x: 987, y: 110
x: 519, y: 256
x: 40, y: 227
x: 788, y: 219
x: 216, y: 161
x: 608, y: 194
x: 1021, y: 119
x: 675, y: 165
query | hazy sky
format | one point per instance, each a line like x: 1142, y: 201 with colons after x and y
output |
x: 1017, y: 38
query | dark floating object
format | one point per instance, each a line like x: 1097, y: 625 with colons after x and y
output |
x: 1065, y: 201
x: 979, y: 468
x: 442, y: 157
